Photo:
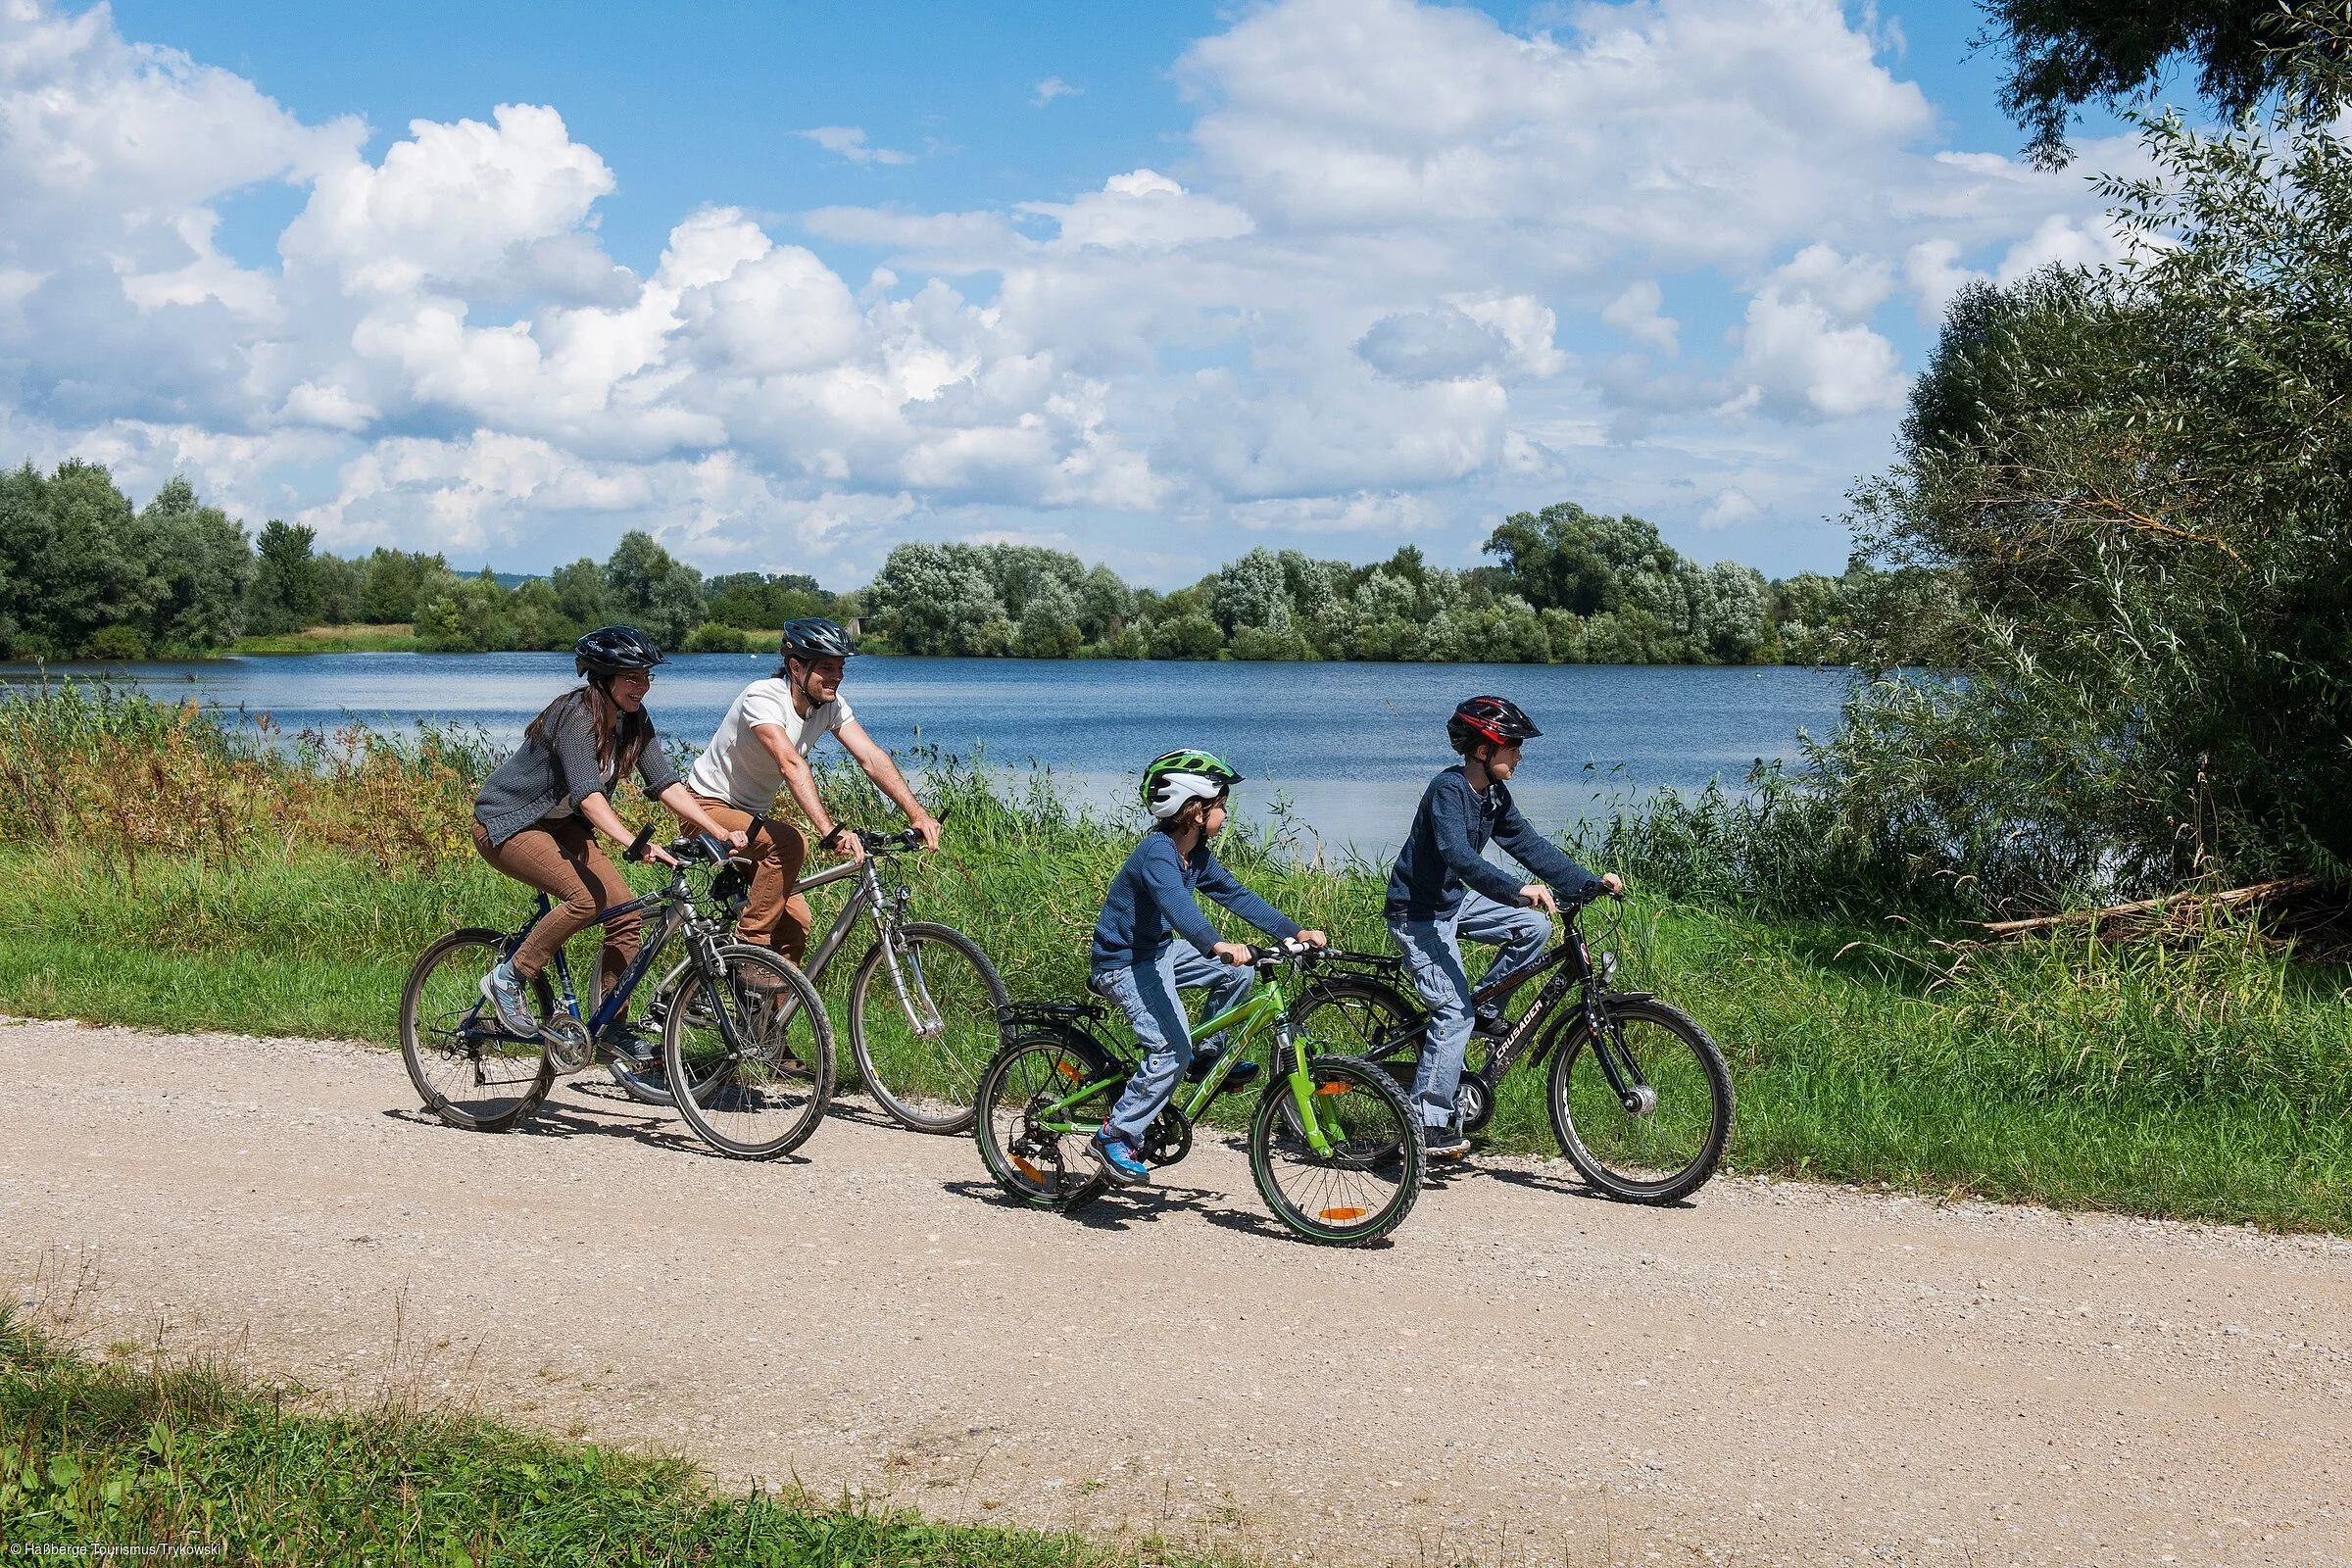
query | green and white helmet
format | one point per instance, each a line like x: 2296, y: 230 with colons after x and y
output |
x: 1179, y: 777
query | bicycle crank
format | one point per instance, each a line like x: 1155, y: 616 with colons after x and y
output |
x: 1474, y: 1101
x: 1168, y: 1138
x: 567, y: 1045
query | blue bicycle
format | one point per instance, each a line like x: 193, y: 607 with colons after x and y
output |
x: 738, y: 1026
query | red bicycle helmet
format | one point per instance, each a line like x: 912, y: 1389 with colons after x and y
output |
x: 1495, y: 720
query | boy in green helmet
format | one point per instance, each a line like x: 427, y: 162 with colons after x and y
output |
x: 1138, y: 963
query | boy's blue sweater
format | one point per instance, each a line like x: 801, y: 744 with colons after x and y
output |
x: 1151, y: 903
x: 1442, y: 853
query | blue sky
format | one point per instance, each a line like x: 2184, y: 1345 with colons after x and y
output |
x: 1157, y: 285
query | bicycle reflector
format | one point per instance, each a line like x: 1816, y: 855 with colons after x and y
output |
x: 1341, y: 1215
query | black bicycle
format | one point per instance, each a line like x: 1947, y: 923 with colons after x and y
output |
x: 1639, y: 1095
x: 741, y: 1027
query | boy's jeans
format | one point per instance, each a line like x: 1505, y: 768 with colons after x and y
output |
x: 1147, y: 994
x: 1432, y: 954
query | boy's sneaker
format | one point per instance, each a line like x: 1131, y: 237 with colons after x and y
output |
x: 1491, y: 1026
x: 1443, y: 1143
x: 504, y: 990
x: 1119, y: 1159
x: 1245, y: 1072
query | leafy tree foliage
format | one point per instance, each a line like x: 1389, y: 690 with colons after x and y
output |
x: 82, y: 573
x: 1573, y: 587
x: 2066, y: 53
x: 2124, y: 512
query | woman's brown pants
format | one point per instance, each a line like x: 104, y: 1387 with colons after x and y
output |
x: 558, y: 855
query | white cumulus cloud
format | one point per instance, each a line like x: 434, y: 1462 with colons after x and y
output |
x: 1408, y: 270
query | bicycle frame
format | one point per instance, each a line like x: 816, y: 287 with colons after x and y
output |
x: 1572, y: 965
x: 922, y: 1013
x: 1266, y: 1012
x: 672, y: 900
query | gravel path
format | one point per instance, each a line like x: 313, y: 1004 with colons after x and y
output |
x: 1779, y: 1373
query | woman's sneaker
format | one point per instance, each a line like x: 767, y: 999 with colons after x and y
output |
x: 1119, y: 1159
x: 504, y: 990
x: 1443, y: 1143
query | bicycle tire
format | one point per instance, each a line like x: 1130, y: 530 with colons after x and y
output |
x: 763, y: 1093
x: 1033, y: 1166
x: 1630, y: 1156
x: 928, y: 1085
x: 451, y: 1042
x: 1365, y: 1189
x: 1350, y: 1015
x: 650, y: 1086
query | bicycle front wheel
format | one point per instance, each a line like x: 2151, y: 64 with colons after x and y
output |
x: 648, y: 1085
x: 470, y: 1071
x: 1363, y: 1182
x: 921, y: 1043
x: 757, y: 1050
x: 1665, y: 1144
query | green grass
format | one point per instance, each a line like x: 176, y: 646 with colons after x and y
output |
x: 114, y: 1454
x: 2214, y: 1084
x: 2205, y: 1075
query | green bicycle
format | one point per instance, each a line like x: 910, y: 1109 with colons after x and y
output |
x: 1334, y: 1150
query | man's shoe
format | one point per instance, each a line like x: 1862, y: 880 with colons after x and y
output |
x: 1443, y: 1143
x: 504, y: 990
x: 1119, y: 1159
x: 631, y: 1048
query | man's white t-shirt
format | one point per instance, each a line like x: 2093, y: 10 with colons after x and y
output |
x: 741, y: 771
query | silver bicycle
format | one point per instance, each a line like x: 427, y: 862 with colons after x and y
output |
x: 920, y: 1040
x: 922, y: 1003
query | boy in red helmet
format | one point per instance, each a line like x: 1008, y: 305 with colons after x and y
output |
x: 1444, y: 889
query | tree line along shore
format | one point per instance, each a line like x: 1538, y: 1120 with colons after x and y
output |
x: 85, y: 575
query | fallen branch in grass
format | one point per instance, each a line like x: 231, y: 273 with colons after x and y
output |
x: 2166, y: 903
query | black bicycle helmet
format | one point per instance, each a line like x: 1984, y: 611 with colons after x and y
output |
x: 1495, y: 720
x: 609, y: 650
x: 814, y: 637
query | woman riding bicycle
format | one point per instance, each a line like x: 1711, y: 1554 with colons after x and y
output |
x: 537, y: 817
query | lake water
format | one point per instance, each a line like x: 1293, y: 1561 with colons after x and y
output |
x: 1350, y: 745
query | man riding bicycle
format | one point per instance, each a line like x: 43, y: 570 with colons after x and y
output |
x: 762, y: 750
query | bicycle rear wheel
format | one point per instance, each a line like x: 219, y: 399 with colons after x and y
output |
x: 757, y: 1049
x: 1663, y: 1147
x: 1019, y: 1120
x: 470, y: 1072
x: 921, y: 1053
x: 1365, y: 1184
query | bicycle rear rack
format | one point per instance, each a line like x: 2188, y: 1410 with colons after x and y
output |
x: 1377, y: 963
x: 1084, y: 1016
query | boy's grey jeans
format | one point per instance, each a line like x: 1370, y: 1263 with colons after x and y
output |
x: 1147, y: 994
x: 1433, y: 955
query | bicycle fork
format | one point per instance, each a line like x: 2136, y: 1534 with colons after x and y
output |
x: 922, y: 1013
x: 1623, y: 1074
x: 1305, y: 1092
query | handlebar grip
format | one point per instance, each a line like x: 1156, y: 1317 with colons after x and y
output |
x: 636, y: 850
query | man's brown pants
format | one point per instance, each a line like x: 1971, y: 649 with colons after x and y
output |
x: 774, y: 915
